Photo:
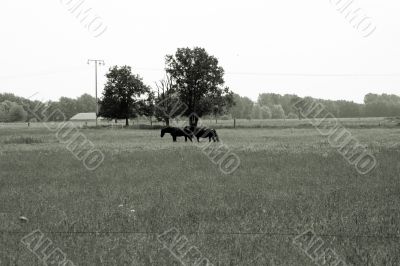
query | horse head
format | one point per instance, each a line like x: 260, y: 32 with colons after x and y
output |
x: 215, y: 135
x: 163, y: 131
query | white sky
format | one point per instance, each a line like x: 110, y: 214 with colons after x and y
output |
x: 44, y: 48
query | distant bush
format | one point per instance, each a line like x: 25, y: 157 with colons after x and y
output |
x: 277, y: 111
x: 292, y: 116
x: 256, y: 112
x: 266, y: 112
x: 17, y: 113
x: 12, y: 112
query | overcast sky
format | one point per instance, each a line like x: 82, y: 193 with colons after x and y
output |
x: 289, y: 46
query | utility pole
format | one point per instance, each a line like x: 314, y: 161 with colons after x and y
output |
x: 96, y: 62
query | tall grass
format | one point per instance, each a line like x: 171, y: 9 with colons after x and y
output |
x: 288, y: 180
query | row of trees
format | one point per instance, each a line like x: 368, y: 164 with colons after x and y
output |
x: 268, y: 106
x: 384, y: 105
x: 381, y: 105
x: 15, y: 109
x: 276, y: 106
x: 245, y: 108
x: 70, y: 107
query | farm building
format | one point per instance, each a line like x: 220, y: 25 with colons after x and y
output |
x: 90, y: 119
x: 84, y: 117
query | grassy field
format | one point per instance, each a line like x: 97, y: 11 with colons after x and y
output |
x: 289, y: 180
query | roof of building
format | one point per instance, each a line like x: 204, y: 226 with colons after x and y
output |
x: 84, y: 116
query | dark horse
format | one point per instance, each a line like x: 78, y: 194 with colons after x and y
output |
x: 176, y: 132
x: 202, y: 132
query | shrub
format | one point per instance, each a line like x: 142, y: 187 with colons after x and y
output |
x: 266, y: 112
x: 292, y: 116
x: 277, y: 112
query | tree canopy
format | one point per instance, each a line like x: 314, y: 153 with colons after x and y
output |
x: 198, y: 80
x: 121, y: 95
x: 12, y: 112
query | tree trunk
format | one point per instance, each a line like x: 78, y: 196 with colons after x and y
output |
x: 127, y: 121
x: 193, y: 120
x: 167, y: 122
x: 234, y: 122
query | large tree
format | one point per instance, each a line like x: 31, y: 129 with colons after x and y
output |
x: 198, y: 80
x: 121, y: 95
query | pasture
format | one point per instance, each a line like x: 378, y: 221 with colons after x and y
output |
x: 289, y: 180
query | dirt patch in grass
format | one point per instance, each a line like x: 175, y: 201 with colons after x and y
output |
x: 23, y: 140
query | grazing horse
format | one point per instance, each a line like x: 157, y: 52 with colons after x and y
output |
x: 176, y: 132
x: 202, y: 132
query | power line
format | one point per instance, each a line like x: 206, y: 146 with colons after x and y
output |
x: 313, y: 75
x: 44, y: 73
x: 293, y: 74
x: 271, y: 74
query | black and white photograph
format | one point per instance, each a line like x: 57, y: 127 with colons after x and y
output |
x: 199, y: 133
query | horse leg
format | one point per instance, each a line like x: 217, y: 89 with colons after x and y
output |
x: 185, y: 139
x: 174, y: 138
x: 209, y: 139
x: 198, y: 139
